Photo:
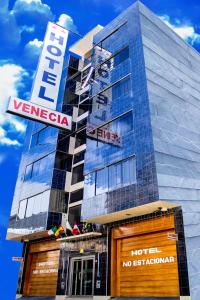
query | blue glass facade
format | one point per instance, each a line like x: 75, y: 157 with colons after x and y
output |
x: 120, y: 105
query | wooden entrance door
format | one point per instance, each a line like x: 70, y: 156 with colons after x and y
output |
x: 144, y: 260
x: 41, y: 273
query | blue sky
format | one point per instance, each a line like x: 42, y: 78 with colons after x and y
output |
x: 22, y: 28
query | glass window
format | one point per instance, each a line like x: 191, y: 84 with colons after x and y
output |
x: 61, y: 161
x: 76, y: 196
x: 80, y: 138
x: 77, y: 175
x: 122, y: 125
x: 79, y: 157
x: 43, y: 136
x: 121, y: 56
x: 22, y: 209
x: 40, y: 167
x: 102, y: 181
x: 30, y: 205
x: 28, y: 172
x: 74, y: 215
x: 36, y: 168
x: 38, y: 204
x: 121, y: 89
x: 89, y: 185
x: 34, y: 139
x: 115, y: 176
x: 129, y: 171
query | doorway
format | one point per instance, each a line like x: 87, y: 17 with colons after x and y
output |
x: 82, y: 276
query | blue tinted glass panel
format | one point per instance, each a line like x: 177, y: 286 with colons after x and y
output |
x: 115, y: 176
x: 102, y: 181
x: 121, y: 89
x: 28, y: 172
x: 121, y: 56
x: 129, y: 171
x: 89, y: 185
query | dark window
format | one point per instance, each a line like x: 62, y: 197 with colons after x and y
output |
x: 121, y: 56
x: 75, y: 215
x: 80, y: 138
x: 60, y: 161
x: 76, y: 196
x: 79, y: 157
x: 85, y: 106
x: 77, y: 175
x: 82, y: 123
x: 84, y: 95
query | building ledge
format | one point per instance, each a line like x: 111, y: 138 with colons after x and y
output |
x: 78, y: 237
x: 82, y: 46
x: 132, y: 212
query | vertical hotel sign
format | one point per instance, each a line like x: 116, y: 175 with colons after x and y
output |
x: 43, y: 102
x: 47, y: 80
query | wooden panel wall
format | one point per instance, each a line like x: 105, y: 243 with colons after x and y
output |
x: 133, y: 274
x: 42, y: 269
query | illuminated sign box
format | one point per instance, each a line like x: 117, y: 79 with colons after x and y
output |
x: 39, y: 113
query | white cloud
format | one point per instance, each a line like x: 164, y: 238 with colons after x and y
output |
x: 185, y: 31
x: 35, y: 10
x: 11, y: 79
x: 67, y: 22
x: 4, y: 140
x: 35, y: 43
x: 32, y: 51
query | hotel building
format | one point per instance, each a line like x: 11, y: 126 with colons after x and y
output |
x: 129, y: 166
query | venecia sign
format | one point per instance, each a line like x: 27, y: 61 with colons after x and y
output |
x: 43, y: 102
x: 39, y: 113
x: 148, y: 261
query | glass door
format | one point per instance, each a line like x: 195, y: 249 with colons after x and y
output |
x: 82, y: 276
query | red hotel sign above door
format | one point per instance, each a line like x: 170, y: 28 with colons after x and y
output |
x: 39, y: 113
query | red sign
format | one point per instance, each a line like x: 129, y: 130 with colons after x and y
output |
x: 39, y: 113
x: 105, y: 136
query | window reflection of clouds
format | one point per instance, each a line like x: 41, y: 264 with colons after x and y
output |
x: 38, y: 204
x: 110, y: 178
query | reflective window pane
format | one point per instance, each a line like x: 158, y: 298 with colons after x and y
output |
x: 102, y: 181
x: 22, y: 209
x: 89, y: 185
x: 115, y: 175
x: 28, y: 172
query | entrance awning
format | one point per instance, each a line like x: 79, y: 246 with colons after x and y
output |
x: 132, y: 212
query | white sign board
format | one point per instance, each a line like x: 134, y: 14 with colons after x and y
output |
x: 48, y: 75
x: 39, y: 113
